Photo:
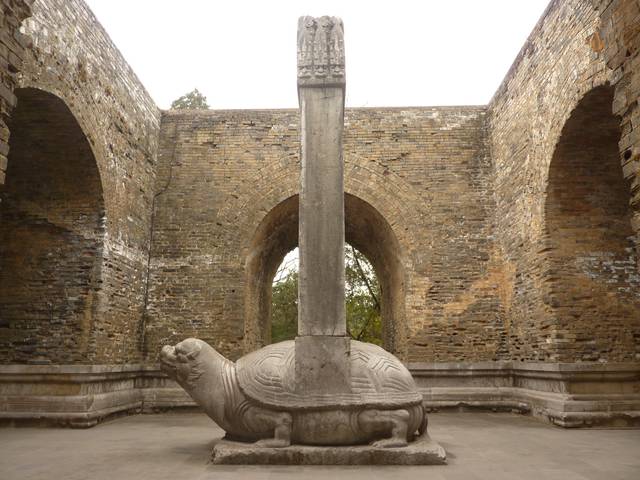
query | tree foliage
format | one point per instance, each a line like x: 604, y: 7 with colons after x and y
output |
x: 284, y: 308
x: 191, y: 101
x: 362, y: 296
x: 362, y: 292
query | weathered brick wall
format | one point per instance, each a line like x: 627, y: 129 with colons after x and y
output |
x: 592, y: 279
x: 560, y: 283
x: 70, y: 56
x: 620, y: 34
x: 425, y: 170
x: 51, y: 234
x: 563, y: 306
x: 12, y: 49
x: 506, y: 231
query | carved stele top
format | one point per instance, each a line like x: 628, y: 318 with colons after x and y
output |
x: 320, y: 52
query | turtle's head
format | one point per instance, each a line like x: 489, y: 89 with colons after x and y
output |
x: 183, y: 362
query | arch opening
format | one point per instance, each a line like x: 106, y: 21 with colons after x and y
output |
x: 51, y: 234
x: 362, y: 296
x: 593, y: 277
x: 365, y: 229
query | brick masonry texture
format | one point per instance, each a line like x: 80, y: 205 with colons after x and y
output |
x: 426, y: 171
x: 553, y: 310
x: 53, y: 231
x: 505, y: 232
x: 70, y: 57
x: 620, y: 33
x: 12, y: 51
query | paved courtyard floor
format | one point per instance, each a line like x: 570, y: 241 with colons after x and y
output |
x: 177, y: 446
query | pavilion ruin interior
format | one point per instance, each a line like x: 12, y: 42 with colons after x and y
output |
x: 506, y: 237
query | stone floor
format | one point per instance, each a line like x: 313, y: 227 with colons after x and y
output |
x: 177, y: 446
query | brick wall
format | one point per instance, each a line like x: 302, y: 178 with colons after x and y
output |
x: 620, y: 34
x: 12, y: 49
x: 51, y: 235
x: 500, y: 232
x: 593, y: 285
x: 531, y: 295
x: 70, y: 57
x: 426, y: 171
x: 551, y: 136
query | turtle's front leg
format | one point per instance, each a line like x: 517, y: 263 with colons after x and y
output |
x: 392, y: 425
x: 281, y: 423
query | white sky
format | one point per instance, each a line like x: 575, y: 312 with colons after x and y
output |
x: 242, y: 54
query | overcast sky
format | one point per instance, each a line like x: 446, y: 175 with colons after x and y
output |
x: 242, y: 54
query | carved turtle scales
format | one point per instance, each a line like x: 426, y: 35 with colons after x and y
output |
x: 378, y: 380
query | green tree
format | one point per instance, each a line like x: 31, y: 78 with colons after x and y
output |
x: 191, y: 101
x: 362, y: 294
x: 284, y: 308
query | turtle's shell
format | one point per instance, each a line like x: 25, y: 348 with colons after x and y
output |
x: 378, y: 380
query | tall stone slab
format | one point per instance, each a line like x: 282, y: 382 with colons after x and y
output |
x: 324, y: 389
x: 322, y: 345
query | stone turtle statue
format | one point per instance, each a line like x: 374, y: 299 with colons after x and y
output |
x: 254, y: 399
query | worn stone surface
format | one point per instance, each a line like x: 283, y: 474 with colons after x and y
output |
x: 322, y: 348
x: 322, y: 364
x: 569, y: 395
x: 422, y: 452
x: 258, y: 397
x: 479, y: 445
x: 321, y: 55
x: 321, y: 308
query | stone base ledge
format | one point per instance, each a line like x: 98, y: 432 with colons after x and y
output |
x: 568, y: 395
x: 423, y: 451
x: 565, y: 394
x: 614, y: 411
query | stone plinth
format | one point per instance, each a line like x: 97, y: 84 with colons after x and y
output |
x: 421, y: 452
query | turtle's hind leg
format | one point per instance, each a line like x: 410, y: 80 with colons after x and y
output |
x: 391, y: 425
x: 281, y: 423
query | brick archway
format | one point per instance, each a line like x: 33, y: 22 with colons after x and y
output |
x: 51, y: 234
x: 365, y: 229
x: 592, y: 273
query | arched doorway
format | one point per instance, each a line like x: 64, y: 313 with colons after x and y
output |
x: 362, y: 298
x: 592, y: 274
x: 51, y: 234
x: 365, y: 229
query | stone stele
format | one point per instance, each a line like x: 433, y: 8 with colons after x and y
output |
x: 338, y: 401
